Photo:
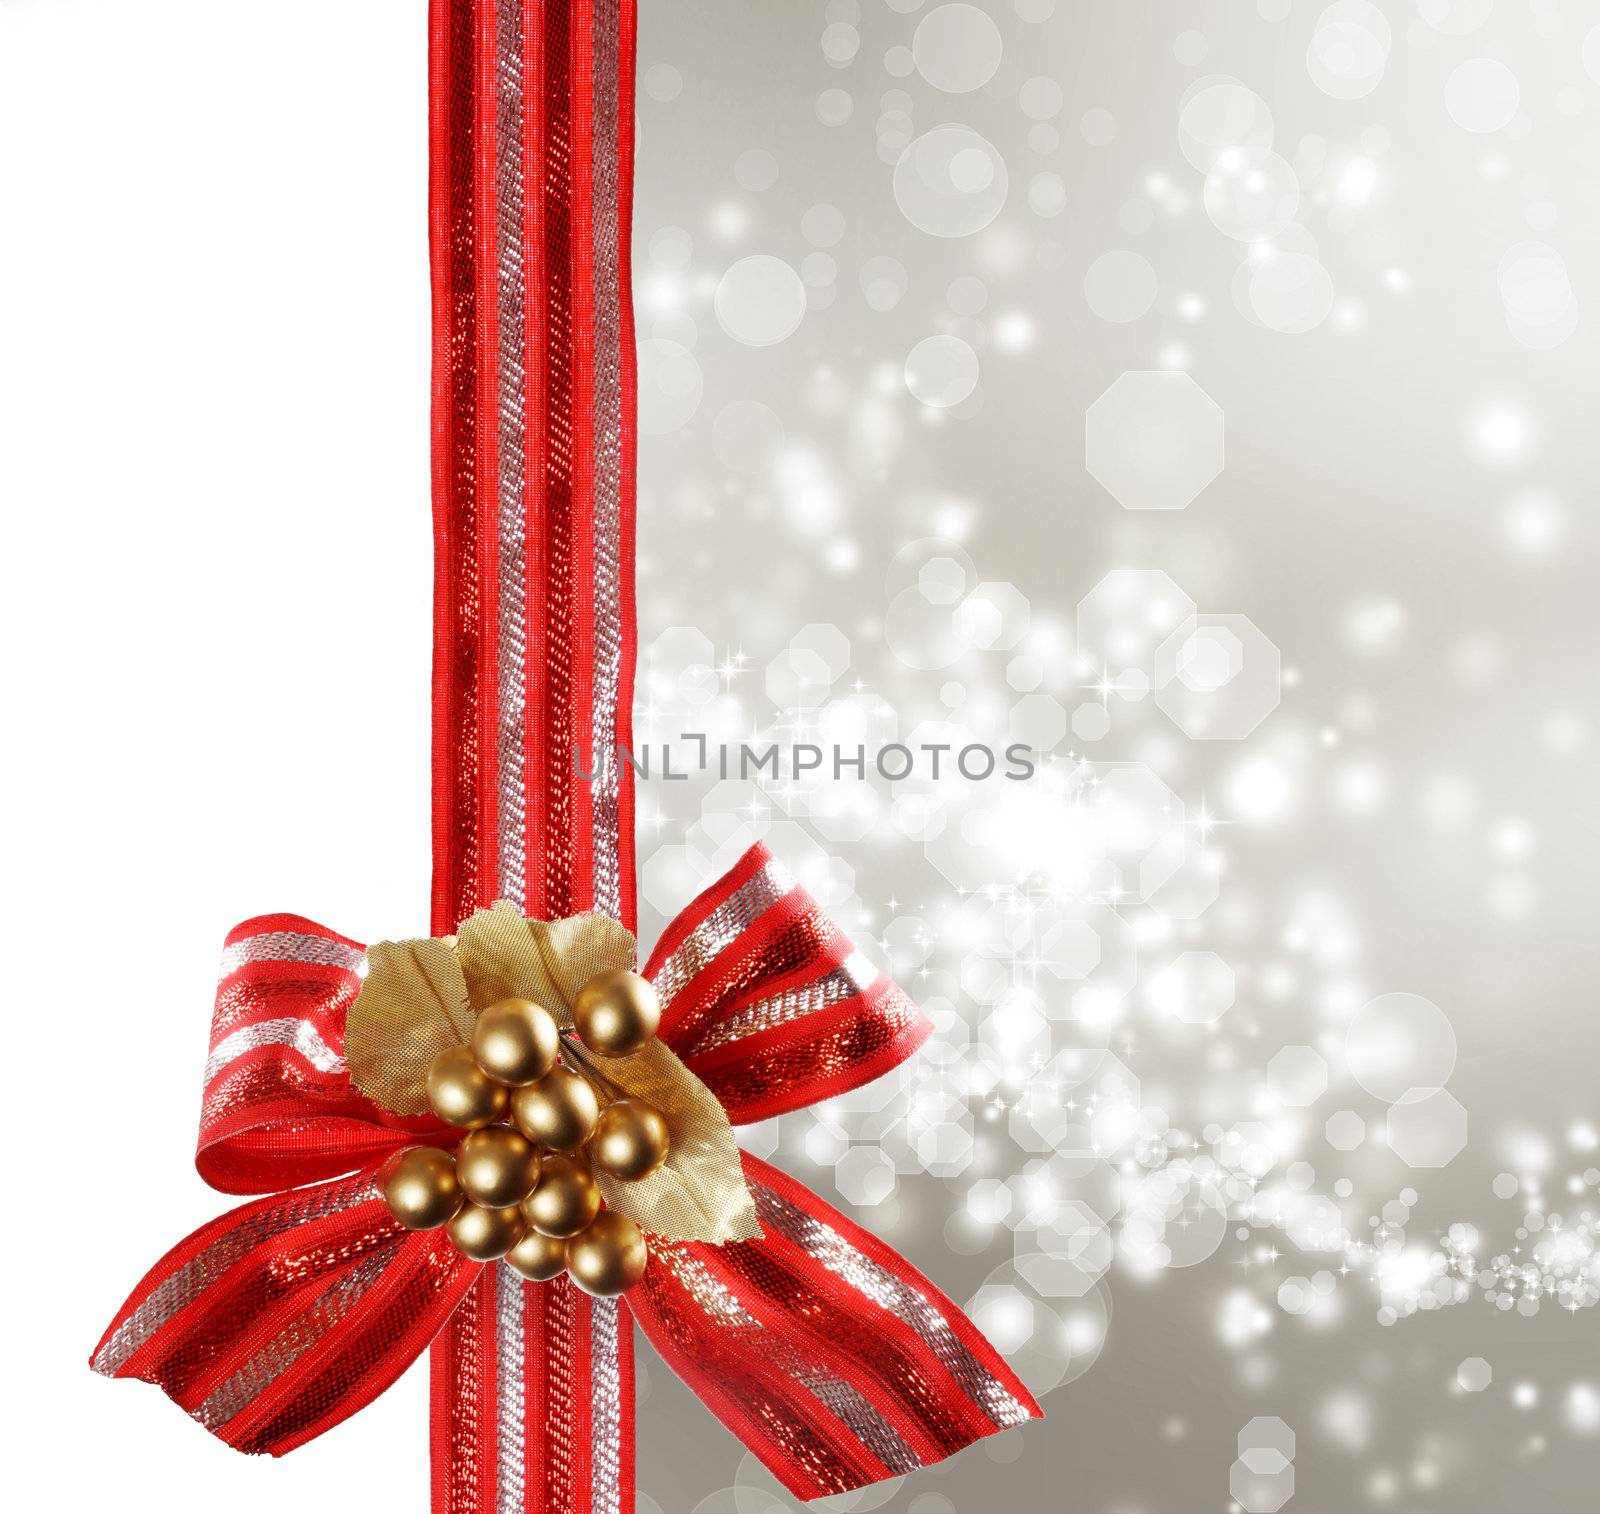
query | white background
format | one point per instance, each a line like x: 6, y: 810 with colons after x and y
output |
x: 213, y: 469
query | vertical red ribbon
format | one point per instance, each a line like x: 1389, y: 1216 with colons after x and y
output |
x: 530, y: 210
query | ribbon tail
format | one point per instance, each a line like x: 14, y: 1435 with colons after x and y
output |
x: 832, y: 1358
x: 281, y: 1318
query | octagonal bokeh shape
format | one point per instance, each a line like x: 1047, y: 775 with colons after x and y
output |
x: 1154, y: 440
x: 1218, y: 677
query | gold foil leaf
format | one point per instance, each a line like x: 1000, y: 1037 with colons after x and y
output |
x: 699, y: 1192
x: 504, y: 956
x: 412, y: 1006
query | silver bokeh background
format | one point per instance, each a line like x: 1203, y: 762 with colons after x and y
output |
x: 1260, y: 1122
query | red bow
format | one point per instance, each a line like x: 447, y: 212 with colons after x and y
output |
x: 832, y: 1358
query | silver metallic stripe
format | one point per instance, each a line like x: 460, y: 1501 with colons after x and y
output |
x: 192, y: 1279
x: 291, y: 946
x: 301, y: 1035
x: 510, y: 1358
x: 608, y: 358
x: 853, y: 976
x: 827, y: 1246
x: 510, y: 1343
x: 722, y: 927
x: 292, y: 1342
x: 841, y: 1400
x: 605, y: 1397
x: 511, y: 598
x: 605, y: 1367
x: 606, y: 1345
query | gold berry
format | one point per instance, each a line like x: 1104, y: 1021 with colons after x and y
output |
x: 616, y: 1013
x: 538, y: 1257
x: 558, y: 1111
x: 420, y: 1187
x: 497, y: 1166
x: 461, y: 1093
x: 630, y: 1140
x: 516, y: 1041
x: 609, y: 1257
x: 565, y: 1201
x: 484, y: 1234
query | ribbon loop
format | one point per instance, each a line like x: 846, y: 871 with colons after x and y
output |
x: 278, y: 1107
x: 768, y: 1003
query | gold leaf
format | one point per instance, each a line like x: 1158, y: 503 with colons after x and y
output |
x: 699, y: 1192
x: 412, y: 1006
x: 505, y: 956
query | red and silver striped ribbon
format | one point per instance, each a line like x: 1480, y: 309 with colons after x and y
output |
x: 532, y: 147
x: 831, y: 1357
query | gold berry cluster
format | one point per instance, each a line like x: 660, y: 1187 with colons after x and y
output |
x: 521, y: 1184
